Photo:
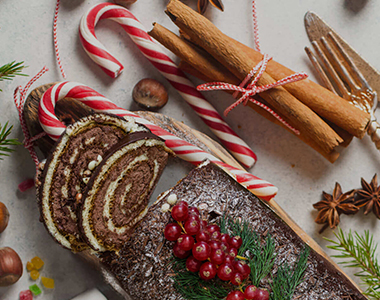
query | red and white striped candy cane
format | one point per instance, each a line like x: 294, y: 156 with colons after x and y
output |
x: 111, y: 66
x: 54, y: 128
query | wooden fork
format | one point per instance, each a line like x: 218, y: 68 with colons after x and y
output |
x: 340, y: 75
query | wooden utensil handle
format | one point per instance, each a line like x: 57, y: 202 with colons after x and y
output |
x: 374, y: 131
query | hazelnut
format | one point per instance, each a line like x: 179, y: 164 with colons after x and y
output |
x: 4, y: 217
x: 10, y: 266
x: 125, y: 2
x: 150, y: 94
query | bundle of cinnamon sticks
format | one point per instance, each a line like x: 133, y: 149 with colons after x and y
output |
x: 324, y: 120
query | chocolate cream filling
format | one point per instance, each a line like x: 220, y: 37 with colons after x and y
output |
x: 80, y: 149
x: 118, y: 194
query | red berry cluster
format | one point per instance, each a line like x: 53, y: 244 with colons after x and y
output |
x: 251, y: 292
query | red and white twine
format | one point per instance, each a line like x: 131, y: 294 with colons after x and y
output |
x: 55, y: 34
x: 252, y: 89
x: 19, y: 97
x: 255, y: 26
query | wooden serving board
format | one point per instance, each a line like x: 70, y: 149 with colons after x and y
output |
x: 69, y: 110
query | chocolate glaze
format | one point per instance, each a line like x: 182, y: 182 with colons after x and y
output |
x: 142, y: 266
x: 139, y: 178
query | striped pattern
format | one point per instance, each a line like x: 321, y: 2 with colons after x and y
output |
x: 54, y: 128
x: 55, y: 36
x: 111, y: 66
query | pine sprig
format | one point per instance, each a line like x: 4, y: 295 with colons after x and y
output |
x: 11, y: 70
x: 288, y: 278
x: 191, y: 287
x: 5, y: 142
x: 359, y: 252
x: 262, y: 261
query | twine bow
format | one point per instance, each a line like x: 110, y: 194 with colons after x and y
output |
x: 252, y: 89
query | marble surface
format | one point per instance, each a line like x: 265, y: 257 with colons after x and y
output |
x: 298, y: 171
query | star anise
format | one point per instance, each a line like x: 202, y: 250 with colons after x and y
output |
x: 202, y: 5
x: 369, y: 197
x: 332, y: 206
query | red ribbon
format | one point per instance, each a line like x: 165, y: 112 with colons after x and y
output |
x: 252, y: 89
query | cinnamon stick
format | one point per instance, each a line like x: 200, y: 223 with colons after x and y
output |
x: 205, y: 34
x: 320, y: 100
x: 331, y: 156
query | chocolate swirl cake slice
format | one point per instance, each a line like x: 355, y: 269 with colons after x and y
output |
x: 143, y: 264
x: 68, y: 169
x: 117, y: 195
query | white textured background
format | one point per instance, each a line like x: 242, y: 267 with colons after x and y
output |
x: 299, y: 172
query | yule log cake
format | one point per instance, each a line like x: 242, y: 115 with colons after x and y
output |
x: 85, y: 146
x: 144, y: 265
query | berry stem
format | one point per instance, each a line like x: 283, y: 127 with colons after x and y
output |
x: 183, y: 228
x: 241, y: 257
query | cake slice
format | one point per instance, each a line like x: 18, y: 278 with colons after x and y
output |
x: 143, y: 265
x: 118, y: 193
x: 68, y: 170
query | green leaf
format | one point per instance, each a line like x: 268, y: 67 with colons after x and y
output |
x: 5, y: 142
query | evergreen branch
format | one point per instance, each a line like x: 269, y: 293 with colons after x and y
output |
x: 191, y: 287
x: 359, y: 252
x: 288, y: 278
x: 5, y: 131
x: 262, y: 262
x: 11, y: 70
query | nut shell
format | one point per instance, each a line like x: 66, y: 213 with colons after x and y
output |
x: 125, y: 2
x: 10, y: 266
x: 150, y: 94
x: 4, y: 217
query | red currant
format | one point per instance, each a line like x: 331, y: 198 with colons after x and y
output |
x: 237, y: 279
x: 225, y: 272
x: 201, y: 251
x: 242, y: 268
x: 235, y: 295
x: 185, y: 242
x: 192, y: 264
x: 214, y: 244
x: 225, y: 247
x: 193, y: 211
x: 180, y: 212
x: 178, y: 252
x: 225, y: 238
x: 229, y: 260
x: 217, y: 256
x: 236, y: 242
x: 204, y: 224
x: 207, y: 271
x: 250, y: 292
x: 203, y: 236
x: 262, y: 295
x: 192, y: 226
x: 172, y: 231
x: 213, y: 228
x: 183, y: 203
x: 216, y: 235
x: 232, y: 252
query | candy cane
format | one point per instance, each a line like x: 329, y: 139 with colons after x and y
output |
x: 111, y: 66
x: 54, y: 128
